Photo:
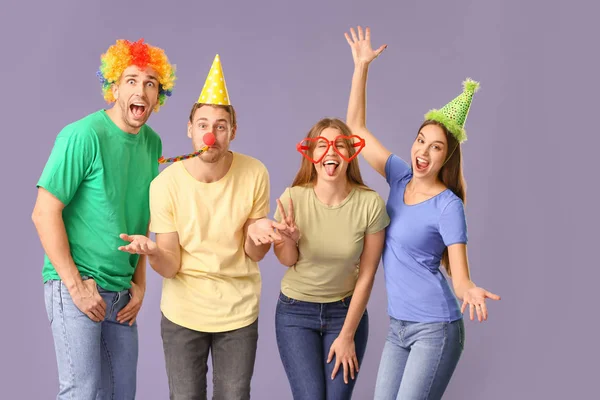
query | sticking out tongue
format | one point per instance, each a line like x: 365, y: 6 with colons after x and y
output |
x: 330, y: 169
x: 421, y: 165
x: 137, y: 111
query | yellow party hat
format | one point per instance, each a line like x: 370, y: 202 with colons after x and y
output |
x: 215, y: 89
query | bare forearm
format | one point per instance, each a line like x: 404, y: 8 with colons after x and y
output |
x: 53, y: 236
x: 356, y: 116
x: 139, y: 276
x: 461, y: 286
x: 286, y: 252
x: 256, y: 253
x: 165, y: 263
x: 360, y: 298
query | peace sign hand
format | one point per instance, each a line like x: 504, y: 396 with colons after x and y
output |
x: 291, y: 230
x: 362, y: 52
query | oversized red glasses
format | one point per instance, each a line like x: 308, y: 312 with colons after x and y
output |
x: 322, y: 143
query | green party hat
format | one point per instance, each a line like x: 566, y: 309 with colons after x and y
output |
x: 454, y: 114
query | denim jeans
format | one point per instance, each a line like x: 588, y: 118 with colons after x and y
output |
x: 419, y: 359
x: 186, y: 355
x: 96, y: 360
x: 305, y: 332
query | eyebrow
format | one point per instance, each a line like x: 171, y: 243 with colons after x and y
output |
x: 151, y: 77
x: 437, y: 141
x: 206, y: 119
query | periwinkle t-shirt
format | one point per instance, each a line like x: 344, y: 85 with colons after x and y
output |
x: 415, y: 242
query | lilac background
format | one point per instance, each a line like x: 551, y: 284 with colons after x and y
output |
x: 529, y: 162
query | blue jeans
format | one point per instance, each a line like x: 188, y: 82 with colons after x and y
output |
x: 305, y: 332
x: 96, y: 360
x: 419, y: 359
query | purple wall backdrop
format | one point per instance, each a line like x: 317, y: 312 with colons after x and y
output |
x: 529, y: 161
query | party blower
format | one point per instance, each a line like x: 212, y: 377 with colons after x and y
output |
x: 208, y: 139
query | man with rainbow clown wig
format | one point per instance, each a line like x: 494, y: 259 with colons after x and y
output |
x: 94, y: 186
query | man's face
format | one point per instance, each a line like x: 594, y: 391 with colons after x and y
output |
x: 216, y: 120
x: 136, y: 96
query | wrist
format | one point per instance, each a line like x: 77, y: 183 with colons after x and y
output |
x: 361, y: 65
x: 346, y: 334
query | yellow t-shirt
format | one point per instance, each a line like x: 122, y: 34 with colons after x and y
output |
x: 218, y: 286
x: 331, y: 242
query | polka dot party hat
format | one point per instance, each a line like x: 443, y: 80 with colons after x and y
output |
x: 454, y: 114
x: 215, y: 89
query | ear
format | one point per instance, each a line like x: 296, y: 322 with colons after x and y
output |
x: 189, y: 129
x: 115, y: 90
x: 233, y: 131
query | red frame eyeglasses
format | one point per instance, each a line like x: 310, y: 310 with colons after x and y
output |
x: 304, y: 145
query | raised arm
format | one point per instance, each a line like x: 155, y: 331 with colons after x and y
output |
x: 362, y: 53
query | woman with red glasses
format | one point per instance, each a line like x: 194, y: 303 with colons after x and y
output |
x: 332, y: 244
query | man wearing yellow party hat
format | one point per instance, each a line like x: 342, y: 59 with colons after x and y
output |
x: 208, y: 212
x: 428, y: 230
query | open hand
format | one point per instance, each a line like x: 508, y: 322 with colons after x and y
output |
x: 130, y: 311
x: 262, y: 231
x: 362, y: 52
x: 138, y: 244
x: 475, y: 299
x: 291, y: 231
x: 345, y: 355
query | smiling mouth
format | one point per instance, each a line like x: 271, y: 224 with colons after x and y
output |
x: 137, y: 109
x: 330, y: 166
x: 422, y: 163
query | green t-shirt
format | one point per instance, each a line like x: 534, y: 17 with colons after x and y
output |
x: 102, y: 175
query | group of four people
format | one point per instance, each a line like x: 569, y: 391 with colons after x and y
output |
x: 101, y: 194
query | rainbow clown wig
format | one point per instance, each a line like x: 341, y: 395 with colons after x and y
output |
x: 123, y: 54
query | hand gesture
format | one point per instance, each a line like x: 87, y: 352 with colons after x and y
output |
x: 262, y: 231
x: 362, y: 52
x: 475, y: 298
x: 345, y: 355
x: 130, y: 311
x: 291, y: 230
x: 87, y: 299
x: 138, y: 244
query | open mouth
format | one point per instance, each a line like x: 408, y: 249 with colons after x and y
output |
x: 138, y: 110
x: 330, y: 166
x: 422, y: 164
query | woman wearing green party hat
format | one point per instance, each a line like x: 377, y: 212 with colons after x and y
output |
x: 427, y: 230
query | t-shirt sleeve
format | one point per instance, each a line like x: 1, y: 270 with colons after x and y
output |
x: 261, y: 207
x: 453, y: 223
x: 70, y: 162
x: 378, y: 216
x: 162, y: 217
x: 396, y: 169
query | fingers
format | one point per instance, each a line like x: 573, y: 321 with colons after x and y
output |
x: 336, y: 368
x: 126, y: 237
x: 492, y: 295
x: 346, y: 367
x: 291, y: 210
x: 472, y: 311
x: 368, y: 34
x: 330, y: 356
x: 484, y: 312
x: 348, y: 39
x: 463, y: 307
x: 380, y: 50
x: 281, y: 210
x: 353, y: 35
x: 280, y: 226
x: 361, y: 35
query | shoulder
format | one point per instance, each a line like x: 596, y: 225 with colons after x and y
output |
x: 450, y: 202
x: 249, y: 163
x: 370, y: 197
x: 167, y: 176
x: 151, y: 134
x: 84, y: 130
